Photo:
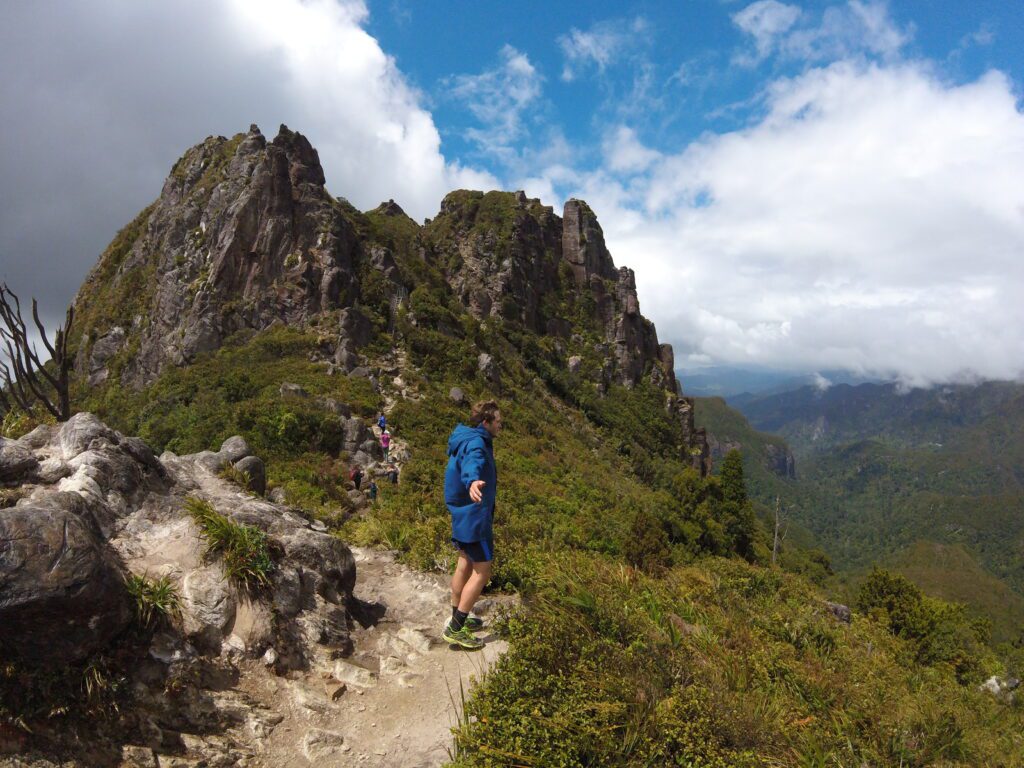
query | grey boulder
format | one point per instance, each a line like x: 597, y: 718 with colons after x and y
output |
x: 62, y: 594
x: 256, y: 473
x: 16, y: 461
x: 235, y: 448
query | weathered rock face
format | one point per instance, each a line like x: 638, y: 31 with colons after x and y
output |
x: 699, y: 451
x: 243, y: 234
x: 62, y: 594
x: 780, y: 460
x: 500, y: 252
x: 68, y: 544
x: 776, y: 458
x: 583, y: 244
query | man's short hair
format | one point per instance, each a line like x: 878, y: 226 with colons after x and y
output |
x: 483, y: 411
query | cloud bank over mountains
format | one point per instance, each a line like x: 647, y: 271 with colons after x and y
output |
x: 873, y: 219
x: 867, y: 214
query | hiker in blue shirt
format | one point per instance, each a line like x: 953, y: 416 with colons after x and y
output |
x: 382, y: 422
x: 470, y: 487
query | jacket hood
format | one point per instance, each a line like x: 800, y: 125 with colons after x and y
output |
x: 461, y: 434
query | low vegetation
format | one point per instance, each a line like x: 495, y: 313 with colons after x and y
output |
x: 156, y: 600
x: 718, y: 663
x: 243, y: 549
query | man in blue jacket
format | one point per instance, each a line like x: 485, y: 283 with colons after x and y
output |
x: 470, y: 486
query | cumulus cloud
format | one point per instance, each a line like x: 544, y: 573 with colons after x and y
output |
x: 624, y: 152
x: 101, y: 98
x: 599, y: 46
x: 872, y: 220
x: 499, y: 98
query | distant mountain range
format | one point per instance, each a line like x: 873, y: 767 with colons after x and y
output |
x: 885, y: 473
x: 739, y: 384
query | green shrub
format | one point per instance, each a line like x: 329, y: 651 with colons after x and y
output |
x: 244, y: 549
x: 716, y: 664
x: 940, y: 632
x: 647, y: 545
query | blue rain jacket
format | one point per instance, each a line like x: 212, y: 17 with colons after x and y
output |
x: 470, y: 457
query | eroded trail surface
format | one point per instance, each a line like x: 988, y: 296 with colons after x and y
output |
x: 401, y: 691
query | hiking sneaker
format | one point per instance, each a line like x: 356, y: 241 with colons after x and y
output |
x: 472, y: 623
x: 461, y: 637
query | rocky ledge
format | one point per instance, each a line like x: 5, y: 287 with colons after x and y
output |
x: 84, y: 508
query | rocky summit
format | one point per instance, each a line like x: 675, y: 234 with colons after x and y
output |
x: 245, y: 235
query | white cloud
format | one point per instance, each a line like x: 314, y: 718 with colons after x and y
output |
x: 599, y: 46
x: 860, y: 27
x: 375, y: 139
x: 101, y: 98
x: 624, y: 152
x: 498, y: 98
x: 872, y: 220
x: 766, y: 21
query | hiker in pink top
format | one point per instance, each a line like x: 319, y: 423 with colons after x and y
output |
x: 385, y: 443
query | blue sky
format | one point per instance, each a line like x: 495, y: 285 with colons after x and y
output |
x: 671, y: 70
x: 801, y: 185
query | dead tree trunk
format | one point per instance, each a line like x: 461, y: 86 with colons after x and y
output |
x: 778, y: 523
x: 26, y: 380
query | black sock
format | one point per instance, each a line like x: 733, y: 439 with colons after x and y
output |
x: 458, y: 618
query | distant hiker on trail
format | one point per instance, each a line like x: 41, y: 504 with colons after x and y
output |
x: 356, y: 475
x: 385, y: 443
x: 372, y: 490
x: 392, y: 474
x: 470, y: 487
x: 382, y: 422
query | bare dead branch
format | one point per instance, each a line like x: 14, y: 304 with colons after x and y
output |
x: 27, y: 380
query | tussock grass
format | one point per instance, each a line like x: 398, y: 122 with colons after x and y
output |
x: 240, y: 478
x: 156, y: 600
x: 243, y: 548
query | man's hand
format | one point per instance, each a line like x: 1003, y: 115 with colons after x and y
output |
x: 476, y: 490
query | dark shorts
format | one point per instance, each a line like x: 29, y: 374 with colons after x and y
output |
x: 476, y: 551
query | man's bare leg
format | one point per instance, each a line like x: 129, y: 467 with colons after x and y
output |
x: 474, y: 586
x: 463, y: 571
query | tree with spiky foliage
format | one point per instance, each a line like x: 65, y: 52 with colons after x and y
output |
x: 26, y: 379
x: 735, y: 510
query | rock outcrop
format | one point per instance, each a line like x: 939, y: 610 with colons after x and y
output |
x: 245, y: 236
x: 777, y: 459
x: 96, y: 507
x: 500, y: 253
x: 508, y: 257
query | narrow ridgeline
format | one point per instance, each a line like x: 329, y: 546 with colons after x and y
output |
x: 245, y: 236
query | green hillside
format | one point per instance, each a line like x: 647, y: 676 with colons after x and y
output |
x: 888, y: 472
x: 704, y: 660
x: 953, y: 574
x: 727, y: 426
